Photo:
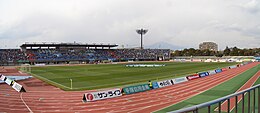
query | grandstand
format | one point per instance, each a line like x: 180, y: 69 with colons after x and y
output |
x: 65, y: 53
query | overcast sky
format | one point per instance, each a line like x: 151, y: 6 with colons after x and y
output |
x: 184, y: 23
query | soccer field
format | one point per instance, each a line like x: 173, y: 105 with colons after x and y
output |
x: 86, y: 77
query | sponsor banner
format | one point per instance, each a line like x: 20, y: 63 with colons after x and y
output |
x: 136, y: 89
x: 203, y: 74
x: 164, y: 83
x: 218, y: 70
x: 179, y: 80
x: 231, y: 67
x: 155, y: 85
x: 2, y: 78
x: 17, y: 87
x: 93, y: 96
x: 224, y: 69
x: 191, y: 77
x: 8, y: 81
x: 212, y: 72
x: 145, y: 65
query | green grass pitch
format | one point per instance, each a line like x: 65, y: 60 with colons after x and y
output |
x: 86, y: 77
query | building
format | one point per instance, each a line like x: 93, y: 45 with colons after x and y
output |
x: 208, y: 45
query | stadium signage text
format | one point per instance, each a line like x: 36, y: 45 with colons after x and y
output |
x: 100, y: 95
x: 145, y: 65
x: 164, y: 83
x: 136, y: 89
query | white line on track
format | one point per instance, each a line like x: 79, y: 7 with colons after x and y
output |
x: 21, y: 96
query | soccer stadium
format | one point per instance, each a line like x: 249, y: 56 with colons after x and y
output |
x: 129, y: 56
x: 72, y: 77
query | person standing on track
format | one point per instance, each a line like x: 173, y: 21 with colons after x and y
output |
x: 150, y: 84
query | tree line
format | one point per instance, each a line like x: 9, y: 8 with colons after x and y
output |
x: 232, y: 51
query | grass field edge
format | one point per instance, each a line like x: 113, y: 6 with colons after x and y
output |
x: 121, y: 84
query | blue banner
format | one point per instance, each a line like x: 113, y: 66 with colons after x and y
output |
x: 218, y: 70
x: 155, y: 85
x: 203, y: 74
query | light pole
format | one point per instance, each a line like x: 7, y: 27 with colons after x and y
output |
x: 70, y: 83
x: 141, y: 32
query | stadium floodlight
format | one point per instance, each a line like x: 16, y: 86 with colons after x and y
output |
x: 141, y: 32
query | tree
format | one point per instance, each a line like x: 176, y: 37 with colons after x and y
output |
x: 226, y: 51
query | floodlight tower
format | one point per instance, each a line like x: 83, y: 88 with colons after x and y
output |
x: 141, y: 32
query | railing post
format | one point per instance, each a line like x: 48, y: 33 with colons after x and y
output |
x: 254, y: 102
x: 243, y: 102
x: 236, y: 105
x: 195, y: 111
x: 209, y: 109
x: 258, y: 98
x: 228, y: 106
x: 248, y: 102
x: 219, y: 107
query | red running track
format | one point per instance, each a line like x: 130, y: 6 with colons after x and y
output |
x: 248, y: 84
x: 41, y: 97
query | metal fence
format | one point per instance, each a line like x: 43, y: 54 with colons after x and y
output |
x: 251, y: 106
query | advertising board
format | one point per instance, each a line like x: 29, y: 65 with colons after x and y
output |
x: 155, y: 85
x: 164, y: 83
x: 179, y: 80
x: 194, y: 76
x: 136, y: 88
x: 218, y: 70
x: 2, y: 78
x: 17, y: 87
x: 8, y: 81
x: 212, y: 72
x: 100, y: 95
x: 203, y: 74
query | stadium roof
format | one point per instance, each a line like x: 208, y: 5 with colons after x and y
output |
x: 28, y: 45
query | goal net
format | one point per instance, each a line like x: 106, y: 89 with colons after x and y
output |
x: 26, y: 68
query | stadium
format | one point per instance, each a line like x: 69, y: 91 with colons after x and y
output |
x: 129, y: 56
x: 73, y: 77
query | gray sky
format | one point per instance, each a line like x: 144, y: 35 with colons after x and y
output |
x: 184, y: 23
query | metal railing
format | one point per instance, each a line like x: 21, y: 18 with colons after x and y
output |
x: 207, y: 105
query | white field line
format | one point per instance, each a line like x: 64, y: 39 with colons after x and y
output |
x: 52, y: 81
x: 21, y: 96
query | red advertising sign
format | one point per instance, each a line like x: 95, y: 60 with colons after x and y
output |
x: 191, y: 77
x: 102, y: 95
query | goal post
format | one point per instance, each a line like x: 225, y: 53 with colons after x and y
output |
x: 26, y: 68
